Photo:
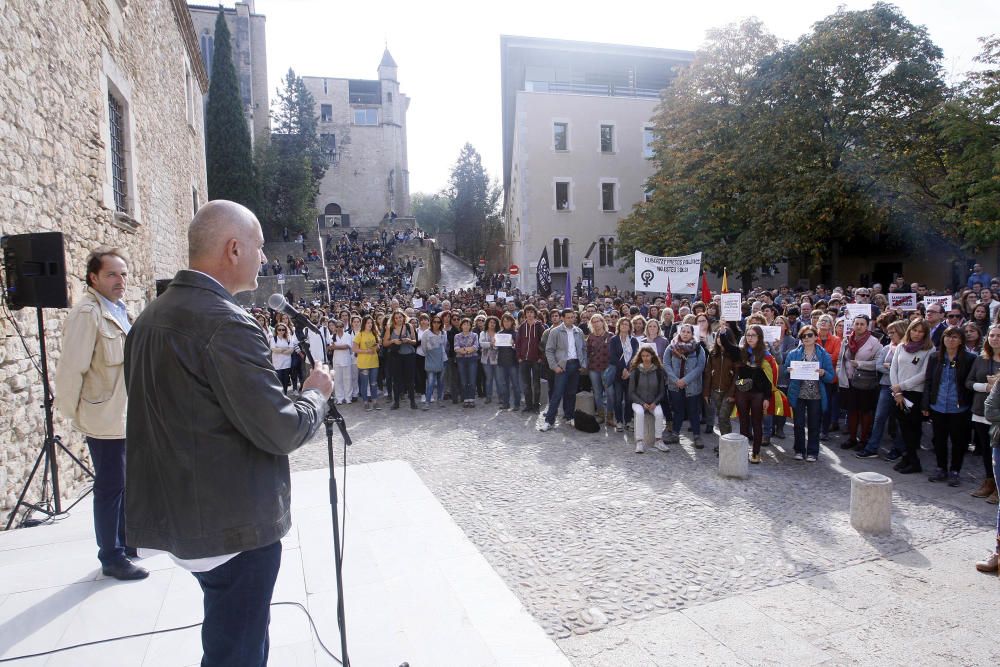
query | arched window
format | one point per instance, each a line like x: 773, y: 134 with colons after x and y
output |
x: 565, y: 245
x: 611, y: 252
x: 560, y: 253
x: 606, y: 256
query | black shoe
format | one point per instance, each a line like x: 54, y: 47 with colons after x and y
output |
x: 893, y: 456
x: 125, y: 570
x: 779, y: 434
x: 394, y: 406
x: 850, y: 443
x: 900, y: 464
x: 910, y: 470
x: 131, y: 553
x: 526, y: 408
x: 413, y: 404
x: 865, y: 454
x: 939, y: 476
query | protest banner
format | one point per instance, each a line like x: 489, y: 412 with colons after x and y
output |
x: 652, y: 272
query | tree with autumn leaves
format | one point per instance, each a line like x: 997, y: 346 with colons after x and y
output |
x: 848, y: 136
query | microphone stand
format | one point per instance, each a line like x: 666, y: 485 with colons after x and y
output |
x: 332, y: 417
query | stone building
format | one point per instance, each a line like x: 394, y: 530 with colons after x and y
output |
x: 101, y: 138
x: 247, y: 29
x: 362, y: 123
x: 576, y: 149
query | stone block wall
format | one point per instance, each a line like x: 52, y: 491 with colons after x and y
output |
x: 54, y: 73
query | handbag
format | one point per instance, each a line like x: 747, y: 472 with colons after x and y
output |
x: 864, y: 379
x: 744, y: 384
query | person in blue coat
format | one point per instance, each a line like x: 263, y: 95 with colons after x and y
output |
x: 684, y: 362
x: 808, y: 398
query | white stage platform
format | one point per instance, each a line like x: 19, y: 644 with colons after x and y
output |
x: 416, y: 589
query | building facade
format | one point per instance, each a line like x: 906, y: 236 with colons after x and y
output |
x: 102, y: 139
x: 247, y: 29
x: 362, y: 124
x: 577, y: 132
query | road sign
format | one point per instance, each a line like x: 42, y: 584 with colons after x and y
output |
x: 482, y: 261
x: 514, y: 270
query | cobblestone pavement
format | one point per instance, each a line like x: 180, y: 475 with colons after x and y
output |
x: 589, y: 534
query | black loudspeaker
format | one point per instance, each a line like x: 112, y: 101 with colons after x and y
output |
x: 35, y: 268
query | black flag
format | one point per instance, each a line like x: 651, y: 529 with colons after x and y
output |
x: 542, y: 274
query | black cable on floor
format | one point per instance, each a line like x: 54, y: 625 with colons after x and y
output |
x: 312, y: 624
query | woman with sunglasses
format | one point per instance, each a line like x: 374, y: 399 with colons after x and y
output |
x: 434, y: 342
x: 808, y: 398
x: 947, y: 400
x: 282, y: 349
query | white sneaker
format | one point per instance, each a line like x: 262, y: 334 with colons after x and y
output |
x: 640, y: 447
x: 545, y: 426
x: 658, y: 445
x: 799, y: 456
x: 810, y: 459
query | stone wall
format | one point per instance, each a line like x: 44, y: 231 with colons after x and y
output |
x: 55, y: 69
x: 427, y: 250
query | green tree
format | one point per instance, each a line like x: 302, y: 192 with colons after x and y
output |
x: 969, y: 191
x: 699, y: 200
x: 433, y: 213
x: 474, y: 205
x: 291, y: 164
x: 228, y: 153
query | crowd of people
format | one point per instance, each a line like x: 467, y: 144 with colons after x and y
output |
x: 879, y: 373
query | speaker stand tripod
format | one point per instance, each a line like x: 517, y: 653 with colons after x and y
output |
x: 47, y: 456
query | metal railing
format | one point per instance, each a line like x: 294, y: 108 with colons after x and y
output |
x: 597, y: 89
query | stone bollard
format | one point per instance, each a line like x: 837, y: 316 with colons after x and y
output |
x: 649, y: 422
x: 543, y: 393
x: 734, y: 450
x: 871, y: 502
x: 585, y: 402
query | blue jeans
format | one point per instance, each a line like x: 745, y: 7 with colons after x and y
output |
x: 368, y: 382
x: 807, y: 413
x: 882, y: 411
x: 619, y: 391
x: 597, y: 387
x: 685, y: 407
x: 509, y: 385
x: 434, y: 381
x: 564, y: 390
x: 490, y: 371
x: 108, y: 457
x: 237, y: 599
x: 467, y: 369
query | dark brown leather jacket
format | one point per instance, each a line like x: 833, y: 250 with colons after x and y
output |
x: 208, y: 428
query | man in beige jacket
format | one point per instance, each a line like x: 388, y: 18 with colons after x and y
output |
x: 90, y: 390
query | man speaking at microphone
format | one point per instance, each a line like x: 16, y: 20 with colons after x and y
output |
x: 207, y: 477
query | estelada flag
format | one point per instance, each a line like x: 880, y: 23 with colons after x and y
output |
x: 725, y: 281
x: 706, y: 294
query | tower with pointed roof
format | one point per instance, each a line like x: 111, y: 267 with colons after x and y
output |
x: 362, y: 124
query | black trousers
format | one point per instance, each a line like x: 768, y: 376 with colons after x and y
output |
x: 984, y: 447
x: 108, y: 457
x: 910, y: 426
x: 956, y: 427
x: 402, y: 367
x: 531, y: 382
x: 237, y: 599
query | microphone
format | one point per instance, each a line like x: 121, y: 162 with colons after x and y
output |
x: 280, y: 304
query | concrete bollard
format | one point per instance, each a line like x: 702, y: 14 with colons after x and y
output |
x: 585, y: 402
x: 871, y: 502
x: 649, y: 422
x: 734, y: 450
x: 543, y: 393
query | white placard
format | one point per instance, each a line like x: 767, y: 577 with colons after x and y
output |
x: 489, y: 298
x: 652, y: 273
x: 503, y: 340
x: 731, y: 306
x: 804, y: 370
x: 418, y: 303
x: 902, y: 301
x: 771, y: 334
x: 855, y: 309
x: 945, y: 301
x: 510, y: 299
x: 501, y: 294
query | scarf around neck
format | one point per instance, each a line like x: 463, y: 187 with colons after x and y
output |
x: 682, y: 349
x: 913, y: 347
x: 855, y: 342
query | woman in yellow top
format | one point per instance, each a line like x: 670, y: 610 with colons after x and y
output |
x: 366, y: 348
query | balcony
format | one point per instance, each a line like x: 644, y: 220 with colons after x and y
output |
x: 596, y: 89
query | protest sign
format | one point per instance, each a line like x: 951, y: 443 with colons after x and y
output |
x: 652, y: 273
x: 902, y: 301
x: 731, y: 306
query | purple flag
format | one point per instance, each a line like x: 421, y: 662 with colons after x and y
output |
x: 568, y: 293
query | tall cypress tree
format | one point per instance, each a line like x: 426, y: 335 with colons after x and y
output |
x: 228, y: 152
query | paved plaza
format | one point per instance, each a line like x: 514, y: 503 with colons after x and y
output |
x: 653, y: 559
